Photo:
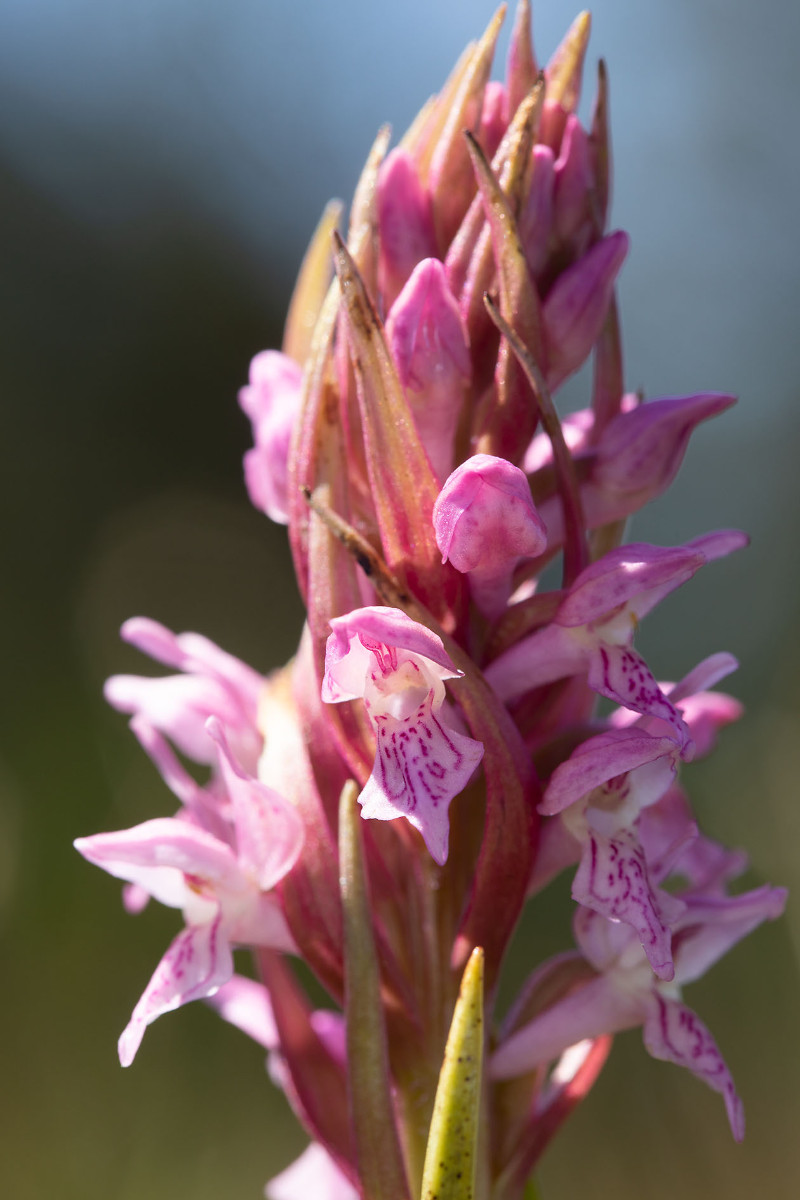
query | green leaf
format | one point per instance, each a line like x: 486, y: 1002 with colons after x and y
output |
x: 450, y: 1159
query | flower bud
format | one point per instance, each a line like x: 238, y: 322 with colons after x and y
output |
x: 429, y: 347
x: 485, y: 521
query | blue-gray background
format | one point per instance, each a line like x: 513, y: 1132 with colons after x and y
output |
x: 162, y: 163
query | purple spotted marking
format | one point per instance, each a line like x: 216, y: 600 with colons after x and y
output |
x: 613, y: 880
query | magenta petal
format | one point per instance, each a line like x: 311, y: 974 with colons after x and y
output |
x: 714, y: 924
x: 429, y: 346
x: 269, y: 833
x: 201, y: 803
x: 612, y: 880
x: 485, y: 517
x: 706, y: 674
x: 558, y: 848
x: 637, y: 575
x: 536, y: 222
x: 719, y: 544
x: 622, y: 675
x: 272, y: 402
x: 576, y: 428
x: 420, y: 765
x: 706, y: 714
x: 425, y: 331
x: 709, y: 866
x: 494, y: 116
x: 178, y: 706
x: 244, y: 1003
x: 640, y: 451
x: 666, y: 831
x: 197, y: 962
x: 675, y: 1034
x: 588, y: 1012
x: 158, y: 854
x: 577, y: 303
x: 573, y: 183
x: 551, y: 653
x: 192, y: 652
x: 599, y: 760
x: 380, y: 631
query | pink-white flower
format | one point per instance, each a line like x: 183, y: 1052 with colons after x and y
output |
x: 223, y: 889
x: 625, y: 993
x: 594, y: 625
x: 398, y: 668
x: 599, y: 793
x: 212, y: 683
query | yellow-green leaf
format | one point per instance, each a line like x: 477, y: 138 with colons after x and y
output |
x: 451, y: 1156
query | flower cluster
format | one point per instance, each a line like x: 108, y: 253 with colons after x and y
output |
x: 407, y: 434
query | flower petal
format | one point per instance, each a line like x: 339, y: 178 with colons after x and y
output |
x: 589, y: 1011
x: 315, y: 1174
x: 367, y: 631
x: 601, y: 759
x: 159, y: 854
x: 636, y: 575
x: 622, y: 675
x: 675, y: 1034
x: 244, y: 1003
x: 197, y: 962
x: 269, y: 833
x: 420, y: 765
x: 612, y: 880
x: 712, y: 925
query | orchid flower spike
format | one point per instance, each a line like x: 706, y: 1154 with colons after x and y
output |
x: 443, y: 674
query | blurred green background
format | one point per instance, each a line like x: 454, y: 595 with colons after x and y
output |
x: 162, y: 163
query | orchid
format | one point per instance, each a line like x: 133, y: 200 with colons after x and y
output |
x: 222, y: 889
x: 383, y: 808
x: 398, y: 667
x: 599, y: 793
x: 625, y: 992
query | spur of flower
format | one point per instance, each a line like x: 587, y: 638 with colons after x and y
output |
x: 384, y: 807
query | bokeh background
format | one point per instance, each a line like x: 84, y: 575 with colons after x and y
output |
x: 162, y: 165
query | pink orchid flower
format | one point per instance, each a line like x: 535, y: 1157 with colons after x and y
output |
x: 599, y: 793
x: 212, y: 683
x: 398, y: 668
x: 625, y: 993
x: 594, y: 625
x: 222, y: 889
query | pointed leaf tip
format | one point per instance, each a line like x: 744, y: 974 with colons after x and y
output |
x: 451, y: 1155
